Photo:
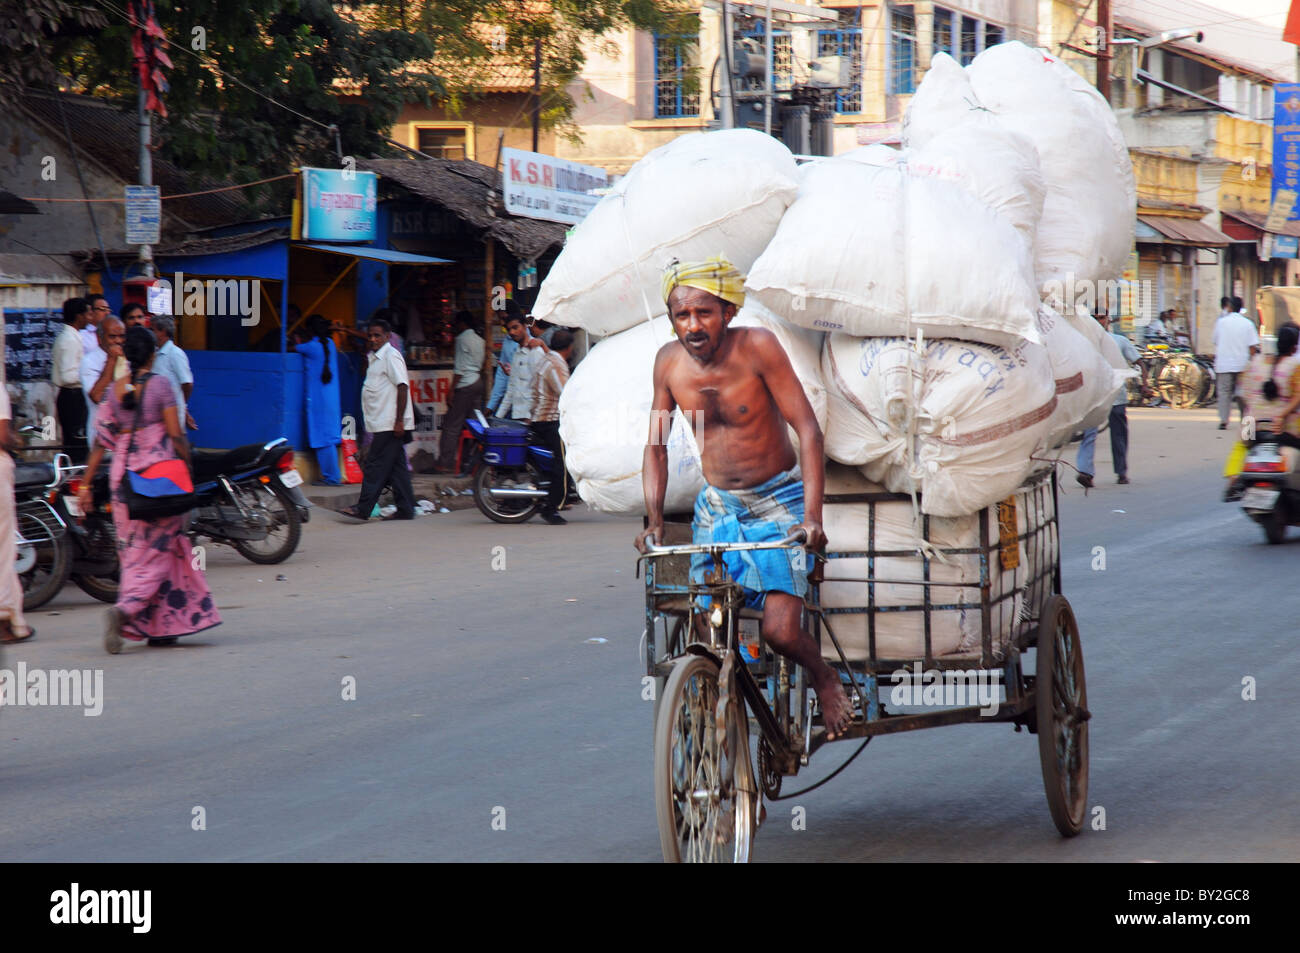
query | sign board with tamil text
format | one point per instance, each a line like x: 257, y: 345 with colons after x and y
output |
x: 143, y: 214
x: 555, y: 190
x: 1286, y: 156
x: 339, y: 205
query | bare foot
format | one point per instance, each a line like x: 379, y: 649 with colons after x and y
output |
x: 837, y: 710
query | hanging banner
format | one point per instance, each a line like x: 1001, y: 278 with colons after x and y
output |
x: 555, y: 190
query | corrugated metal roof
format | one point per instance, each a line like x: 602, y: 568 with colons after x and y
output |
x: 19, y: 269
x: 1186, y: 231
x: 1257, y: 221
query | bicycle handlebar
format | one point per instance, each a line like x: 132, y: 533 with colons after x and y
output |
x: 795, y: 538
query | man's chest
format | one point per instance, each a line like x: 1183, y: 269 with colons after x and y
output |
x: 722, y: 399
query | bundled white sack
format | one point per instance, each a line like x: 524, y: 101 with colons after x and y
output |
x: 958, y: 424
x: 605, y: 420
x: 1086, y: 230
x: 943, y: 100
x: 872, y: 250
x: 1085, y: 381
x: 900, y: 635
x: 697, y: 196
x: 1101, y: 339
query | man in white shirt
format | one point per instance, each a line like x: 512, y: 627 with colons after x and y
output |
x: 390, y: 419
x: 517, y: 404
x: 466, y: 389
x: 65, y: 374
x: 1235, y: 341
x: 171, y: 362
x: 102, y: 366
x: 99, y: 310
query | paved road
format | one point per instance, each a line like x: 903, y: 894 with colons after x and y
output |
x: 479, y: 689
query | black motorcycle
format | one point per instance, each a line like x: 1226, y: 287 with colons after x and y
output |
x: 42, y: 556
x: 250, y: 498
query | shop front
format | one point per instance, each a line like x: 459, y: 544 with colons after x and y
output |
x: 1259, y: 257
x: 1179, y: 267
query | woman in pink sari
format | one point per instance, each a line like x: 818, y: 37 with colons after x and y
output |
x: 161, y: 595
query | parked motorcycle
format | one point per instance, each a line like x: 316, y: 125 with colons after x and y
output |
x: 1269, y: 486
x: 512, y: 476
x: 42, y: 558
x: 91, y: 538
x: 250, y: 498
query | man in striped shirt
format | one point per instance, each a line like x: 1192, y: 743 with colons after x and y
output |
x: 550, y: 375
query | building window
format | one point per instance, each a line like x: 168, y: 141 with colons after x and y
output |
x: 782, y: 55
x: 443, y: 142
x: 943, y: 35
x: 993, y: 35
x: 902, y: 51
x: 970, y: 40
x: 846, y: 43
x: 674, y: 65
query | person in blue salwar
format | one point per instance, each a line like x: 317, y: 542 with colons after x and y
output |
x: 324, y: 423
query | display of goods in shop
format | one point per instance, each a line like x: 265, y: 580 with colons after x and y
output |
x: 890, y: 528
x: 959, y: 422
x: 1086, y: 230
x: 872, y: 250
x: 700, y: 195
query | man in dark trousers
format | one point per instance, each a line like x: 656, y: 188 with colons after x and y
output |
x: 65, y: 374
x: 549, y: 377
x: 390, y: 418
x: 466, y: 388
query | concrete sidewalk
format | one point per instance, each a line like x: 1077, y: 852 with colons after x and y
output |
x: 441, y: 490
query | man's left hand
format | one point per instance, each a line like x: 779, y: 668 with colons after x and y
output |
x: 814, y: 535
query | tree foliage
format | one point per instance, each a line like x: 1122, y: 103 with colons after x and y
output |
x: 351, y: 65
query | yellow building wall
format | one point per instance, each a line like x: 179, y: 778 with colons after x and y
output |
x: 1247, y: 185
x: 1164, y: 178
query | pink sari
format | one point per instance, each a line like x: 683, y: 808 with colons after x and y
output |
x: 161, y: 594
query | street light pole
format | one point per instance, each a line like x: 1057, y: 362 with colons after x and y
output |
x: 1103, y: 53
x: 146, y: 174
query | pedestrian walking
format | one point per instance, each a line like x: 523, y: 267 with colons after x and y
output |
x: 1235, y: 342
x: 65, y: 375
x: 549, y: 378
x: 466, y: 389
x: 161, y: 595
x: 172, y: 363
x: 13, y: 627
x: 324, y: 419
x: 390, y: 419
x: 1118, y: 421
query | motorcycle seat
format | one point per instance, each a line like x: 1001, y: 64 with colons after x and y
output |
x: 33, y: 474
x: 210, y: 464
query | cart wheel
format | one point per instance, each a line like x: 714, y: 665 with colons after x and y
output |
x: 704, y: 797
x: 1061, y: 708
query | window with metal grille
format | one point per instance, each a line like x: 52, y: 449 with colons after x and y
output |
x: 970, y: 40
x: 847, y: 43
x: 782, y: 54
x: 441, y: 143
x: 674, y: 63
x: 993, y: 35
x: 902, y: 51
x: 943, y: 33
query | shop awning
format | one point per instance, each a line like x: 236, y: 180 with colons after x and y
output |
x: 1185, y: 231
x: 377, y: 254
x: 1256, y: 223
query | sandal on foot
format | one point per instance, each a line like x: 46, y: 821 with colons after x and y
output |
x: 8, y: 638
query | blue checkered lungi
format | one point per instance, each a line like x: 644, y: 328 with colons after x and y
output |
x: 760, y: 514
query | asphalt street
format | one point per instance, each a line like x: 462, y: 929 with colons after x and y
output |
x: 498, y: 711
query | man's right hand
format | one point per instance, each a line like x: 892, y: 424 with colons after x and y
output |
x: 651, y: 535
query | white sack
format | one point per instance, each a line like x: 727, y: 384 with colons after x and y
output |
x: 1087, y: 325
x: 1086, y: 230
x: 901, y: 635
x: 872, y: 250
x: 605, y: 419
x: 958, y: 425
x: 944, y: 99
x: 700, y: 195
x: 1085, y: 381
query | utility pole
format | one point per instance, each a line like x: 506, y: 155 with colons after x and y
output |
x: 767, y: 78
x: 1103, y: 49
x: 146, y: 174
x: 727, y: 83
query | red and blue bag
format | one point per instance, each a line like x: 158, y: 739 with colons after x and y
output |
x: 162, y: 489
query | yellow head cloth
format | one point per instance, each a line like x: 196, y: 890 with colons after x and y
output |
x: 715, y: 275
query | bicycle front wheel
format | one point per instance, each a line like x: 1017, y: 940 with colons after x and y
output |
x: 705, y: 795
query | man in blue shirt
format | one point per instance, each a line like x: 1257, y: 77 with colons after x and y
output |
x: 508, y: 349
x: 1118, y: 420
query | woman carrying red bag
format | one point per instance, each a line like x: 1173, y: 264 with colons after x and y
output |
x: 161, y: 596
